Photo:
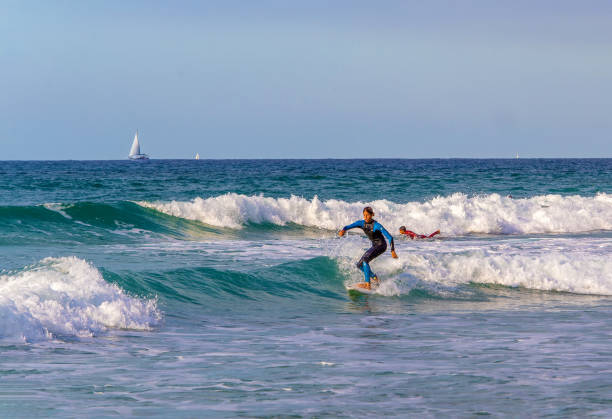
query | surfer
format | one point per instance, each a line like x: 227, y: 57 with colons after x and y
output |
x: 377, y: 234
x: 414, y: 235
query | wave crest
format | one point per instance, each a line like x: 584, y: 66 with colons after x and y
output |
x: 445, y: 270
x: 67, y: 297
x: 456, y: 214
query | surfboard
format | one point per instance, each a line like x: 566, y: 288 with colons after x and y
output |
x: 355, y: 289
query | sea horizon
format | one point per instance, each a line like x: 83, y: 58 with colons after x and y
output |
x: 324, y: 158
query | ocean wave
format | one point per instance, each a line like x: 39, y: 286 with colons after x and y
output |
x: 457, y: 214
x: 67, y: 297
x: 91, y: 223
x: 320, y: 268
x: 226, y: 285
x: 586, y: 274
x: 445, y: 270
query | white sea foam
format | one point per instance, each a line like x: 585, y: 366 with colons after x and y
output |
x: 567, y: 265
x: 587, y: 274
x: 457, y: 214
x: 67, y: 297
x: 59, y: 208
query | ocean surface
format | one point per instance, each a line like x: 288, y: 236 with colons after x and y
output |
x: 216, y: 288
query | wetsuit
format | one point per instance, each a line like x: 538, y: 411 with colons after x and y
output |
x: 376, y: 233
x: 414, y: 235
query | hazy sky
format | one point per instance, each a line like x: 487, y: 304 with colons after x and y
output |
x: 289, y: 79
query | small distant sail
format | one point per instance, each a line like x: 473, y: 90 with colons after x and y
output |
x: 197, y: 157
x: 135, y: 150
x: 517, y: 155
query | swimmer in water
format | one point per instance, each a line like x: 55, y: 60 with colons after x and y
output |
x: 414, y: 235
x: 377, y: 234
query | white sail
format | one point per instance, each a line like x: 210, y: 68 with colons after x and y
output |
x: 197, y: 157
x: 135, y: 150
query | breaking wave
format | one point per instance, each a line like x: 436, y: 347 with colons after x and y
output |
x: 446, y: 269
x: 457, y: 214
x: 67, y: 297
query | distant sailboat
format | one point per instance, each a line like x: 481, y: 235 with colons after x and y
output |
x: 517, y: 155
x: 135, y: 150
x: 197, y: 157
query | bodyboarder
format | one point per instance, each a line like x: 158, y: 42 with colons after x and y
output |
x: 414, y: 235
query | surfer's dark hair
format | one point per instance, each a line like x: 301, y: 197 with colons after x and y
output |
x: 369, y: 210
x: 402, y: 228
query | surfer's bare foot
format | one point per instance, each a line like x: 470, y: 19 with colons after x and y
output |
x: 365, y: 285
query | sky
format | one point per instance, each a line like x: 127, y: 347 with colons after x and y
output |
x: 305, y: 79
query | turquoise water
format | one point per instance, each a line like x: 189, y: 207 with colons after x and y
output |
x: 217, y: 289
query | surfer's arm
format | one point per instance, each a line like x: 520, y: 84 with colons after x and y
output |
x: 354, y: 225
x: 350, y: 226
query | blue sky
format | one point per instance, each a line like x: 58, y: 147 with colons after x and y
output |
x: 315, y: 79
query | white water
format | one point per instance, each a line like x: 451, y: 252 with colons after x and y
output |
x: 59, y: 208
x: 567, y: 265
x: 67, y: 297
x: 454, y: 215
x: 576, y: 265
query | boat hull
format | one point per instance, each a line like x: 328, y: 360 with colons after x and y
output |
x: 139, y: 157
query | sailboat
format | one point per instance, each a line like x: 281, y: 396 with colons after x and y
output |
x: 135, y: 150
x: 197, y: 157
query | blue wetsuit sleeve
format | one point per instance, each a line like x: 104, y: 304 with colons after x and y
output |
x: 385, y: 233
x: 354, y: 225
